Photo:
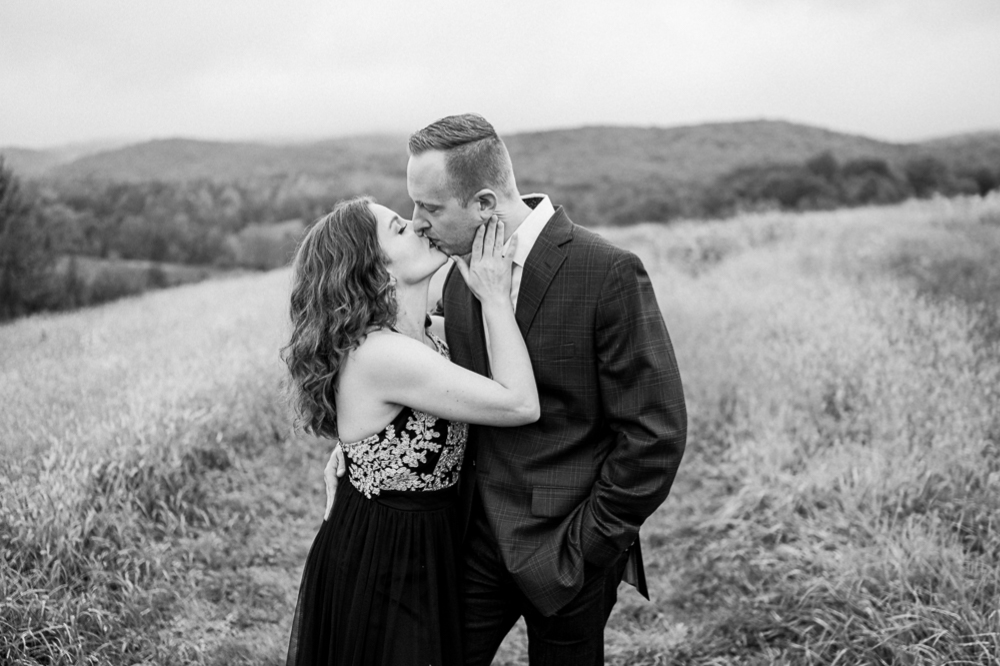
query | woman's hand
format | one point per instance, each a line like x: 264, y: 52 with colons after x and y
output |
x: 488, y: 272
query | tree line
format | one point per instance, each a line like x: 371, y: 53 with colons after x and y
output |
x: 819, y: 183
x: 227, y: 224
x: 46, y: 225
x: 822, y: 183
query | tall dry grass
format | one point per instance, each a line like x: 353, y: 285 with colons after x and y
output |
x: 840, y: 498
x: 837, y: 504
x: 118, y: 423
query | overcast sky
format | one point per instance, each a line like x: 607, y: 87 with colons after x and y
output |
x: 133, y: 69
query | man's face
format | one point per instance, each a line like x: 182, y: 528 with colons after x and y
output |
x: 437, y: 213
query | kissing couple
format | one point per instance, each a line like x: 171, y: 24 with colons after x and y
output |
x: 498, y: 455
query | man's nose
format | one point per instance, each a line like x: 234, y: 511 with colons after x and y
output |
x: 420, y: 225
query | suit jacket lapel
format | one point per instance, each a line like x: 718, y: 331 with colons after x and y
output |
x: 541, y: 267
x: 477, y: 343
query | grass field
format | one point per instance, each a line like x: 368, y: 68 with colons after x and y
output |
x: 837, y: 504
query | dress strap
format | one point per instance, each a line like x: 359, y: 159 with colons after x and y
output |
x: 441, y: 345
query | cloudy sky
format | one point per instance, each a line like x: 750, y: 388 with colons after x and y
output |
x: 267, y: 69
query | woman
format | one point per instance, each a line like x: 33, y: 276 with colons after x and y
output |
x: 380, y: 583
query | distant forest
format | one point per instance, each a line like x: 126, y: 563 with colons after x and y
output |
x: 53, y: 225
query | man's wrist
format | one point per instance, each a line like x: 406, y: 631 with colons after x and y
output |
x: 597, y: 549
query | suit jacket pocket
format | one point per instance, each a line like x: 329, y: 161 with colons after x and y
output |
x: 557, y: 352
x: 555, y: 501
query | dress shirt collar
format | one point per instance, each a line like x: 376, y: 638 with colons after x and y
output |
x: 531, y: 227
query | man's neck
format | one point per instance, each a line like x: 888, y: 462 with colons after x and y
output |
x: 513, y: 213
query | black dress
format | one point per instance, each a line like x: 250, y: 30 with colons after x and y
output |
x: 380, y: 585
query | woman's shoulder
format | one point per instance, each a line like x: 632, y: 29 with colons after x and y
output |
x: 384, y: 346
x: 380, y: 341
x: 380, y: 355
x: 386, y: 361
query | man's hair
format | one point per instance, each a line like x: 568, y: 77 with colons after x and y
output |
x: 475, y: 157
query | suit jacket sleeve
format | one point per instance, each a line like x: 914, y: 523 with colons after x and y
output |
x: 644, y: 406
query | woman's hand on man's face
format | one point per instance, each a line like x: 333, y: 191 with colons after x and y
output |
x: 488, y: 271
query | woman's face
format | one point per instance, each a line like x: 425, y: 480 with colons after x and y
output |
x: 412, y: 258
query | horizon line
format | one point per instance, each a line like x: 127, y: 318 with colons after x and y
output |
x: 114, y: 143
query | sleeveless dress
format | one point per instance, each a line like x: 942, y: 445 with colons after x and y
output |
x: 380, y: 586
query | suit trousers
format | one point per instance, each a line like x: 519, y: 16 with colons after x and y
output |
x: 492, y: 603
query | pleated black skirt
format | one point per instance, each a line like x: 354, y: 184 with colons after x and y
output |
x: 380, y: 586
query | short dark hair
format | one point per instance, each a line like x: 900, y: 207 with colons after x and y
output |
x: 475, y: 156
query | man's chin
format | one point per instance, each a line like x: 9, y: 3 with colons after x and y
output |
x: 452, y: 254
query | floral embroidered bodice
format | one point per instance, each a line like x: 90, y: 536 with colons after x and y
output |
x: 417, y: 451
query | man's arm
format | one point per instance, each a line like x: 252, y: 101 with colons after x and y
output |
x: 643, y: 403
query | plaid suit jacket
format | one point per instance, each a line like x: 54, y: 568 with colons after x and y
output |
x: 576, y: 485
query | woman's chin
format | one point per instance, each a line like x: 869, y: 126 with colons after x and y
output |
x: 442, y: 259
x: 434, y: 265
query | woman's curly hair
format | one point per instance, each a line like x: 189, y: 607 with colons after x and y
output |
x: 341, y: 290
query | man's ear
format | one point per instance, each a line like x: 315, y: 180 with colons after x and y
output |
x: 486, y: 203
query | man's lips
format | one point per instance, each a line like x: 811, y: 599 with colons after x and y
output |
x: 434, y: 243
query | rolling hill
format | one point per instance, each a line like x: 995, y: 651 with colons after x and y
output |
x: 30, y: 162
x: 566, y: 157
x: 979, y: 149
x: 184, y: 159
x: 684, y: 154
x: 609, y: 174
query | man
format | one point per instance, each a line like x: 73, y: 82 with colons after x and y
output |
x: 551, y: 510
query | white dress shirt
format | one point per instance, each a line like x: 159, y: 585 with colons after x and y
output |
x: 527, y: 234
